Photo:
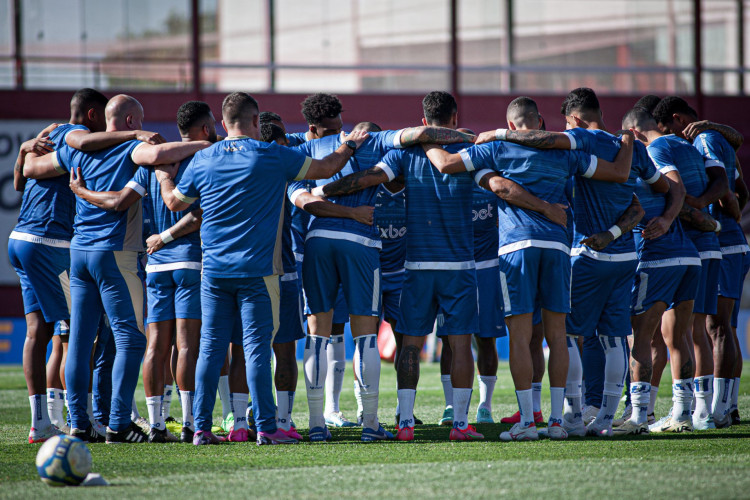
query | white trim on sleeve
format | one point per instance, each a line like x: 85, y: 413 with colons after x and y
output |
x: 467, y: 160
x: 296, y: 194
x: 182, y: 197
x: 134, y: 150
x: 592, y: 167
x: 667, y: 168
x: 303, y: 170
x: 56, y: 163
x: 479, y: 175
x: 653, y: 179
x: 385, y: 168
x: 713, y: 163
x: 397, y: 139
x: 136, y: 187
x: 572, y: 139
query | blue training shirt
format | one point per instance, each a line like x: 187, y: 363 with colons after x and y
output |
x: 672, y: 152
x: 598, y: 204
x: 366, y: 156
x: 48, y: 205
x: 484, y: 208
x: 717, y: 152
x: 106, y: 170
x: 241, y: 184
x: 296, y: 138
x: 543, y: 173
x: 390, y: 218
x: 186, y: 249
x: 438, y: 211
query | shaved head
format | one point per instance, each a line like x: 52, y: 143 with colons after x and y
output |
x: 124, y: 112
x: 523, y: 113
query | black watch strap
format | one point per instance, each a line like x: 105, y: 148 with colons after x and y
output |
x: 351, y: 144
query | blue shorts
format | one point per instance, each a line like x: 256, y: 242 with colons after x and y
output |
x: 340, y: 311
x: 600, y: 297
x: 290, y: 312
x: 708, y: 287
x: 730, y: 274
x: 173, y: 294
x: 535, y: 274
x: 45, y: 278
x: 491, y: 313
x: 669, y: 284
x: 329, y: 263
x: 393, y: 283
x: 745, y: 269
x: 536, y: 317
x: 448, y: 296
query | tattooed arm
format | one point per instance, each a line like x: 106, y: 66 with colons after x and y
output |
x: 354, y: 182
x: 699, y: 220
x: 533, y: 138
x: 627, y: 221
x: 733, y: 137
x: 433, y: 135
x: 514, y: 194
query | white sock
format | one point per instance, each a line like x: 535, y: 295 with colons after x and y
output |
x: 167, y: 401
x: 682, y: 398
x: 652, y: 399
x: 461, y: 401
x: 640, y: 395
x: 90, y: 407
x: 486, y: 388
x: 573, y: 383
x: 55, y: 406
x: 155, y: 417
x: 226, y: 407
x: 735, y: 394
x: 525, y: 407
x: 186, y: 398
x: 367, y: 369
x: 536, y: 396
x: 406, y: 399
x: 284, y: 401
x: 358, y: 397
x: 557, y: 396
x: 615, y: 371
x: 447, y: 390
x: 315, y: 367
x: 39, y: 415
x: 134, y: 414
x: 704, y: 393
x: 336, y: 354
x: 722, y: 397
x: 238, y: 402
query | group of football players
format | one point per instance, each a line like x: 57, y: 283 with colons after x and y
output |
x: 615, y: 248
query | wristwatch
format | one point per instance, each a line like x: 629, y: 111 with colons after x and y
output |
x: 350, y: 144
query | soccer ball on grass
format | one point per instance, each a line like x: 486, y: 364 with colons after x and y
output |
x: 63, y: 460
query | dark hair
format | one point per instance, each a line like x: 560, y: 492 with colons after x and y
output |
x: 580, y: 99
x: 671, y: 105
x: 648, y: 102
x: 87, y: 98
x: 367, y: 127
x: 238, y: 107
x: 269, y: 116
x: 318, y: 107
x: 190, y: 114
x: 270, y: 132
x: 638, y: 117
x: 521, y: 107
x: 439, y: 107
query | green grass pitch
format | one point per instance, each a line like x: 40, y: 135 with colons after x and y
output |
x: 713, y: 464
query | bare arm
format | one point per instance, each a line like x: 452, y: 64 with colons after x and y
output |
x: 541, y: 139
x: 164, y: 154
x: 627, y: 221
x: 675, y: 198
x: 40, y: 167
x: 320, y: 207
x: 40, y: 146
x: 167, y: 185
x: 718, y: 185
x: 354, y: 182
x: 515, y: 194
x: 331, y: 164
x: 84, y: 140
x: 733, y: 137
x: 445, y: 162
x: 117, y: 201
x: 619, y: 170
x: 699, y: 220
x: 433, y: 135
x: 189, y: 223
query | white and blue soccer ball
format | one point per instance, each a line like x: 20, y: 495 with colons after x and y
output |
x: 63, y: 460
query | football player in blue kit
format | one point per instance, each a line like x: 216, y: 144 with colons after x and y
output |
x: 674, y: 115
x: 173, y: 277
x: 535, y: 250
x: 241, y: 184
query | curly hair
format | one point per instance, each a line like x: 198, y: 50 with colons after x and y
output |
x: 318, y: 107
